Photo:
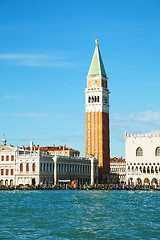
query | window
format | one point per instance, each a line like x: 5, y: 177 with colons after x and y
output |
x: 47, y: 167
x: 21, y: 167
x: 7, y: 171
x: 12, y: 158
x: 7, y: 158
x: 27, y: 167
x: 2, y: 158
x: 11, y: 171
x: 139, y: 152
x: 34, y: 167
x: 157, y: 153
x: 2, y: 171
x: 144, y: 169
x: 152, y: 170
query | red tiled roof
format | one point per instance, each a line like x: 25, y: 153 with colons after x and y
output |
x: 51, y: 148
x: 117, y: 160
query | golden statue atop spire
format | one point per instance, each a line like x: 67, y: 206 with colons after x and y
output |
x: 96, y: 41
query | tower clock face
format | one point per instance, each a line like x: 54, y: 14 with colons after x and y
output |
x: 105, y: 84
x: 105, y: 99
x: 94, y: 84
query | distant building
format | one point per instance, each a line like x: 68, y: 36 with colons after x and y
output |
x: 35, y: 165
x: 56, y: 150
x: 118, y: 166
x: 143, y: 158
x: 7, y: 164
x: 97, y: 141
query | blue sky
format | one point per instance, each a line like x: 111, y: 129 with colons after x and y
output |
x: 46, y: 48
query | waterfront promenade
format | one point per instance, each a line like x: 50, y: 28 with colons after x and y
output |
x: 80, y: 187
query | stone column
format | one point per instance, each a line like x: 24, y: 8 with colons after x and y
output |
x: 55, y: 170
x: 92, y: 171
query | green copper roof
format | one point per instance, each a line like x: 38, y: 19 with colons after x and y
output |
x: 97, y: 67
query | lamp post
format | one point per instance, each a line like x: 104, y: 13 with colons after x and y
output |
x: 55, y: 170
x: 92, y: 170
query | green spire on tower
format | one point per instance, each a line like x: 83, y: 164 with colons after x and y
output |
x: 97, y: 67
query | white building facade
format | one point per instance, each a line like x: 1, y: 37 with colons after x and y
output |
x: 143, y: 159
x: 19, y: 166
x: 118, y: 166
x: 7, y: 164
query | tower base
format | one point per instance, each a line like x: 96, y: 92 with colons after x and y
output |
x: 110, y: 178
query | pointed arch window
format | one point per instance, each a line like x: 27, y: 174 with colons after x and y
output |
x: 139, y: 152
x: 144, y: 169
x: 157, y: 152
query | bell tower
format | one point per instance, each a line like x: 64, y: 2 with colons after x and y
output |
x: 97, y: 140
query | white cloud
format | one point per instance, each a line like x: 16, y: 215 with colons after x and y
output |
x: 149, y: 84
x: 139, y: 122
x: 23, y: 56
x: 146, y: 117
x: 4, y: 114
x: 38, y: 115
x: 34, y: 60
x: 139, y: 117
x: 13, y: 97
x: 30, y: 114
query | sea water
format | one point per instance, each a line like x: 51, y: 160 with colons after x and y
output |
x: 67, y: 214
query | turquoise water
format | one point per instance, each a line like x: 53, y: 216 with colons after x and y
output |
x: 79, y: 215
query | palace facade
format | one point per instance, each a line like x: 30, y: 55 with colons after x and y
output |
x: 143, y: 158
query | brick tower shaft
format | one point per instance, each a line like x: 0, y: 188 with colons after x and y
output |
x: 97, y: 141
